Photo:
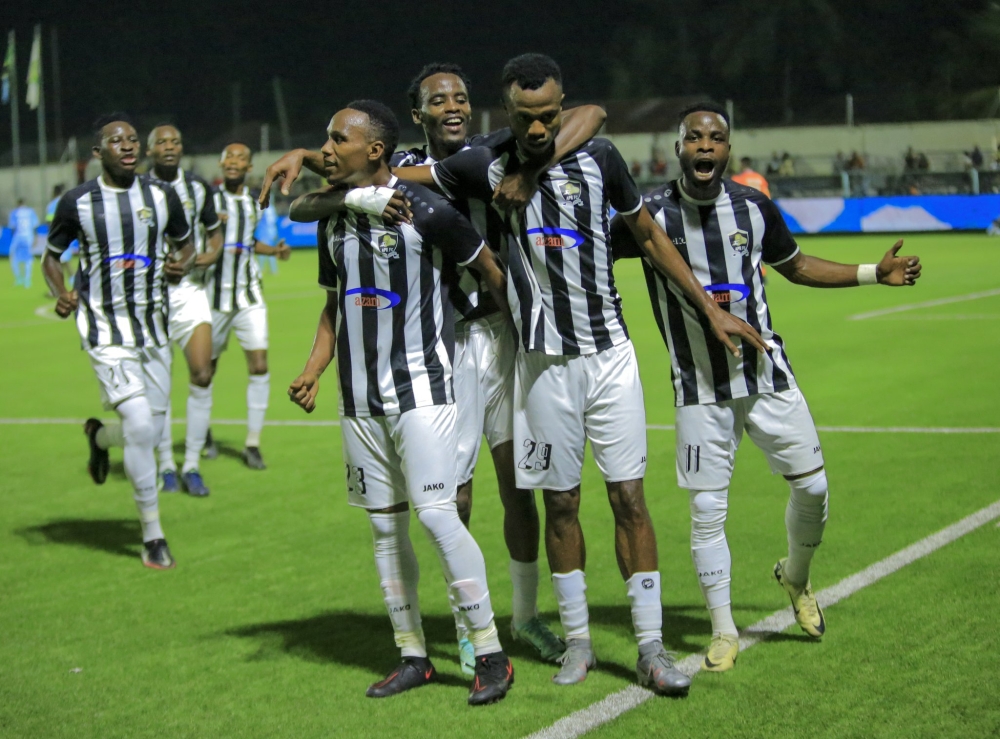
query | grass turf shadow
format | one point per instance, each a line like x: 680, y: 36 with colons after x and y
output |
x: 115, y: 536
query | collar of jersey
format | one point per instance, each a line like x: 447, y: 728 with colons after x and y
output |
x: 694, y: 201
x: 106, y: 186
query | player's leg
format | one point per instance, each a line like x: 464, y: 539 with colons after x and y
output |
x: 165, y: 454
x: 222, y: 324
x: 192, y: 330
x: 782, y: 426
x: 29, y: 265
x: 250, y: 326
x: 20, y: 251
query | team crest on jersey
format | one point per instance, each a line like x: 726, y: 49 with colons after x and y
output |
x: 188, y: 205
x: 387, y: 244
x: 145, y: 216
x: 572, y: 193
x: 740, y: 241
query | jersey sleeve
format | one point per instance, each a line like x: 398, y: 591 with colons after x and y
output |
x: 493, y: 139
x: 623, y: 193
x: 327, y: 267
x: 466, y: 174
x: 178, y: 227
x: 452, y: 232
x: 778, y: 245
x: 209, y: 217
x: 623, y: 244
x: 65, y: 226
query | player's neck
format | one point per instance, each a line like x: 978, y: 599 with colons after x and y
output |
x: 379, y: 178
x: 440, y: 151
x: 122, y: 181
x: 234, y: 186
x: 167, y: 174
x: 699, y: 195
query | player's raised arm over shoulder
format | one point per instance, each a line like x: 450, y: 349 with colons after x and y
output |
x: 465, y: 174
x: 386, y: 203
x: 288, y: 169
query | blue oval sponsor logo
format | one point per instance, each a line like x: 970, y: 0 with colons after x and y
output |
x: 555, y: 238
x: 728, y: 293
x: 373, y: 297
x: 129, y: 261
x: 236, y: 247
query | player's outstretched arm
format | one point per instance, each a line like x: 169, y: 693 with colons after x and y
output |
x: 421, y: 174
x: 661, y: 252
x: 304, y: 388
x: 895, y: 271
x: 52, y: 269
x: 288, y: 168
x: 281, y: 250
x: 382, y: 202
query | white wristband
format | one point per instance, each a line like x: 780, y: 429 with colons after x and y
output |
x: 371, y: 200
x: 867, y: 274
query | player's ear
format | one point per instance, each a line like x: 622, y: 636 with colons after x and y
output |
x: 375, y: 151
x: 415, y: 112
x: 677, y: 148
x: 97, y: 152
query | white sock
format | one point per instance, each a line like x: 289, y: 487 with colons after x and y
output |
x: 571, y: 594
x: 461, y: 630
x: 165, y: 447
x: 140, y: 436
x: 199, y: 415
x: 485, y: 641
x: 805, y: 520
x: 399, y: 576
x: 647, y: 611
x: 524, y: 579
x: 258, y: 390
x: 109, y: 435
x: 710, y: 553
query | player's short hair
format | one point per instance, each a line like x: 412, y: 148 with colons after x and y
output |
x: 430, y: 70
x: 235, y: 143
x: 149, y: 139
x: 100, y: 123
x: 530, y: 71
x: 382, y: 124
x: 706, y: 106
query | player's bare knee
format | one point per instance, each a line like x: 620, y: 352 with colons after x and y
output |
x: 201, y: 376
x: 628, y: 502
x: 562, y: 507
x: 463, y: 502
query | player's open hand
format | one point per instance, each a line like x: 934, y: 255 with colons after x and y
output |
x: 725, y: 325
x: 898, y: 271
x: 303, y: 391
x: 515, y: 191
x: 66, y: 304
x: 288, y: 167
x: 397, y: 210
x: 282, y: 250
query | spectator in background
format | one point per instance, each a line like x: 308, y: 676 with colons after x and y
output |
x: 923, y: 163
x: 748, y: 177
x: 910, y: 160
x: 787, y: 166
x: 636, y: 169
x: 839, y: 163
x: 856, y: 163
x: 977, y: 157
x: 774, y: 165
x: 23, y: 223
x: 658, y: 163
x: 267, y: 231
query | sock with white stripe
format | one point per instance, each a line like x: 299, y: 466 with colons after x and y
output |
x: 710, y: 553
x: 524, y: 580
x: 399, y: 576
x: 805, y: 520
x: 571, y: 595
x: 139, y: 429
x: 165, y: 447
x: 258, y: 390
x: 647, y: 611
x: 199, y: 415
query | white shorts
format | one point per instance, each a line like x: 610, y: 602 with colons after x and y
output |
x: 189, y: 308
x: 250, y: 325
x: 483, y: 375
x: 562, y: 401
x: 128, y: 372
x: 779, y: 423
x: 408, y: 457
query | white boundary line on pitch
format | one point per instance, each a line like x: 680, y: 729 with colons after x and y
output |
x: 599, y: 713
x: 650, y: 427
x: 925, y: 304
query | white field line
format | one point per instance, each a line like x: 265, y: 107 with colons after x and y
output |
x: 588, y: 719
x: 925, y: 304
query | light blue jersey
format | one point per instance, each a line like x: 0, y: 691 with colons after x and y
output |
x: 267, y: 232
x: 23, y: 222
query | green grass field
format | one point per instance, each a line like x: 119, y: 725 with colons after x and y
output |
x: 273, y: 625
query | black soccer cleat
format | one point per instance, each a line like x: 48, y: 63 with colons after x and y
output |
x: 252, y: 459
x: 494, y: 677
x: 413, y: 672
x: 98, y: 464
x: 210, y: 450
x: 156, y: 555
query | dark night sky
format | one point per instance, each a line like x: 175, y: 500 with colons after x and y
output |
x: 177, y: 60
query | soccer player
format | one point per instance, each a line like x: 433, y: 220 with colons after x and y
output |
x: 133, y: 236
x: 748, y: 177
x: 576, y: 376
x: 23, y: 222
x: 388, y: 321
x: 725, y: 231
x: 267, y: 231
x: 235, y: 291
x: 190, y: 314
x: 484, y: 347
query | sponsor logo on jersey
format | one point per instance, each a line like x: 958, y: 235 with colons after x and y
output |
x: 728, y: 293
x: 572, y: 193
x: 373, y: 297
x: 740, y: 241
x: 555, y: 238
x: 145, y: 216
x: 129, y: 261
x: 387, y: 244
x: 234, y: 248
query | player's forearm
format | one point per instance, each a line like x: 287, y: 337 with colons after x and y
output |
x: 664, y: 255
x: 52, y: 271
x: 420, y: 174
x: 324, y: 344
x: 313, y: 161
x: 495, y: 279
x: 264, y: 249
x: 213, y: 249
x: 315, y: 206
x: 579, y: 126
x: 815, y: 272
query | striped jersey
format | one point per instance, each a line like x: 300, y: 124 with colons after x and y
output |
x: 561, y: 286
x: 122, y: 235
x: 469, y: 296
x: 395, y: 328
x: 724, y: 241
x: 234, y: 281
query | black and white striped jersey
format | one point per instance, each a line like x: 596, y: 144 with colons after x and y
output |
x: 395, y: 328
x: 724, y: 242
x: 199, y: 206
x: 561, y: 288
x: 234, y: 281
x: 122, y: 235
x: 470, y: 297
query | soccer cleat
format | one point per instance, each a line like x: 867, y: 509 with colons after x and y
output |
x: 656, y: 670
x: 467, y: 657
x: 494, y: 677
x: 193, y: 484
x: 210, y: 450
x: 808, y: 614
x: 252, y: 459
x: 721, y: 653
x: 156, y: 555
x: 413, y: 672
x: 576, y: 660
x: 98, y: 464
x: 168, y: 482
x: 536, y: 633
